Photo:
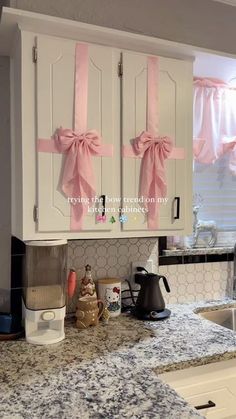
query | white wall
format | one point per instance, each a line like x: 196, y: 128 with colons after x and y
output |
x: 208, y: 65
x: 5, y: 191
x: 203, y: 23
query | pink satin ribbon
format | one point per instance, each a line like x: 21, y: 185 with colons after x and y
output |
x: 154, y: 150
x: 78, y: 178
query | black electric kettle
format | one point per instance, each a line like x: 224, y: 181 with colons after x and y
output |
x: 150, y: 304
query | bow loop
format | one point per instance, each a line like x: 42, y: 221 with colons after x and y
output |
x: 67, y: 138
x: 78, y: 145
x: 78, y: 177
x: 154, y: 150
x: 158, y: 144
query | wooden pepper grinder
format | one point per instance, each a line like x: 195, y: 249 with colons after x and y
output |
x: 87, y: 288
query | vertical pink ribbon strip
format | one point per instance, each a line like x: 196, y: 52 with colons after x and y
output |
x: 153, y: 149
x: 79, y: 145
x: 153, y: 95
x: 81, y: 87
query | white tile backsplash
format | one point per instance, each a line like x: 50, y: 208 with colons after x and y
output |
x: 113, y: 257
x: 109, y: 258
x: 198, y: 281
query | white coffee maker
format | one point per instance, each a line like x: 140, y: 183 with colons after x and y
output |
x: 44, y: 282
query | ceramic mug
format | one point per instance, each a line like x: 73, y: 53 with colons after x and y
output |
x: 109, y: 291
x: 89, y: 310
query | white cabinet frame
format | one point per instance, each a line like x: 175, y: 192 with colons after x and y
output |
x: 20, y: 29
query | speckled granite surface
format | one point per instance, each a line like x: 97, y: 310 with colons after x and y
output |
x: 111, y: 371
x: 199, y: 251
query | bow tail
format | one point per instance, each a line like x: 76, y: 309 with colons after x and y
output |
x: 84, y: 193
x: 77, y: 213
x: 147, y: 189
x: 78, y: 183
x: 69, y: 174
x: 153, y: 208
x: 152, y: 186
x: 158, y: 190
x: 146, y: 175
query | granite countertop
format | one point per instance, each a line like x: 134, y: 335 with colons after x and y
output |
x: 111, y: 371
x: 199, y: 251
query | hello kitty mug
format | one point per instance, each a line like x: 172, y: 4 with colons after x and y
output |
x: 109, y: 291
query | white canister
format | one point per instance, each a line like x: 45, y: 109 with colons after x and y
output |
x: 109, y: 291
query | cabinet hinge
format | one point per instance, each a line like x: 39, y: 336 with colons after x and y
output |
x: 36, y: 214
x: 34, y: 54
x: 120, y: 69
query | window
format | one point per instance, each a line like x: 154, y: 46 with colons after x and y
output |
x: 214, y: 179
x: 216, y: 187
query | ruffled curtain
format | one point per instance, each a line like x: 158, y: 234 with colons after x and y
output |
x: 214, y: 121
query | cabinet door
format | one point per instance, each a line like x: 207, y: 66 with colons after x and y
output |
x: 55, y: 108
x: 175, y: 115
x: 213, y: 382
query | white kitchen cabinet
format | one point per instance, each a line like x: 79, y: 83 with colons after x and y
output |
x: 46, y: 95
x: 213, y: 382
x: 42, y: 101
x: 174, y: 102
x: 55, y: 108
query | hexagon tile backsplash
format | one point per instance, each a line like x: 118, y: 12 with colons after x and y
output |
x: 198, y: 281
x: 109, y: 258
x: 113, y: 257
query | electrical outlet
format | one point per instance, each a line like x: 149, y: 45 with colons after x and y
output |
x: 147, y: 264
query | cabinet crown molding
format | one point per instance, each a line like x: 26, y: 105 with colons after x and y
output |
x: 12, y: 19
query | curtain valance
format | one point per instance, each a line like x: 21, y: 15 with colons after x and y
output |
x: 214, y: 121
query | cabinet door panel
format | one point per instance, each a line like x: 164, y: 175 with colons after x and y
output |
x: 223, y: 398
x: 220, y: 390
x: 55, y: 108
x: 174, y: 85
x: 215, y: 382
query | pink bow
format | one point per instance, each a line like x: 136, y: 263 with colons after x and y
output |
x: 78, y: 173
x: 101, y: 218
x: 78, y: 176
x: 155, y: 151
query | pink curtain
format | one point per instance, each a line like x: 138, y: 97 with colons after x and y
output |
x: 214, y: 121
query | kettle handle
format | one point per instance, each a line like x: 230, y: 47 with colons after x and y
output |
x: 166, y: 284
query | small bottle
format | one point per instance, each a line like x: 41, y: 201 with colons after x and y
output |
x: 87, y: 288
x: 106, y: 315
x: 71, y: 283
